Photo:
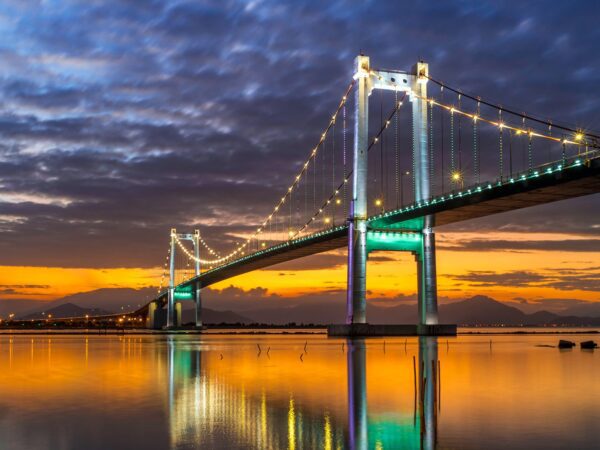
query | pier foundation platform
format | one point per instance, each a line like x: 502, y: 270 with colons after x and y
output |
x: 372, y: 330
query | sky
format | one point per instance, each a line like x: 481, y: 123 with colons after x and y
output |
x: 120, y: 120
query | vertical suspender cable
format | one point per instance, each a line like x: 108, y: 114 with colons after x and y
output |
x: 333, y: 171
x: 431, y: 173
x: 344, y: 159
x: 500, y: 149
x: 452, y: 162
x: 381, y: 147
x: 459, y: 136
x: 397, y: 163
x: 442, y: 137
x: 475, y: 148
x: 510, y: 153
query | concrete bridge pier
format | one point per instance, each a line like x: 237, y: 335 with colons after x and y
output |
x: 426, y: 271
x: 171, y: 295
x: 357, y: 238
x: 427, y: 280
x: 197, y: 293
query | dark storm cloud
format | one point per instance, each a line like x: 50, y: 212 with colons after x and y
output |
x: 563, y: 279
x: 565, y: 245
x: 120, y: 120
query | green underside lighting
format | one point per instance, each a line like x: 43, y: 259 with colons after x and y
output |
x: 394, y: 431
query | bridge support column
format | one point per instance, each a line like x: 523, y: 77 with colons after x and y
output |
x: 197, y: 296
x: 177, y: 315
x: 151, y: 315
x: 198, y: 302
x: 171, y: 298
x: 426, y: 271
x: 357, y: 239
x: 427, y: 279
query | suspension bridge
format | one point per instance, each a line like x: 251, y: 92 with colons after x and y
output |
x: 380, y: 179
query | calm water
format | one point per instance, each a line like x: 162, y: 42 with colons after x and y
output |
x: 219, y: 391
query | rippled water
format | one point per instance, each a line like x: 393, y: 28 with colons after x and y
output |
x: 294, y: 392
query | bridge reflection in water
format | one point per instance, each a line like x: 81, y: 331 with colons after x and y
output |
x: 204, y: 406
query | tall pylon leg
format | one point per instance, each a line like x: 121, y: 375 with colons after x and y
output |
x: 426, y: 273
x: 357, y: 239
x: 429, y: 280
x: 171, y: 297
x: 197, y: 296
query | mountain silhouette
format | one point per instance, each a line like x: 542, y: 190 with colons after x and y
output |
x: 478, y: 310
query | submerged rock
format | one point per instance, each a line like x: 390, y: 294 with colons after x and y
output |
x: 565, y: 344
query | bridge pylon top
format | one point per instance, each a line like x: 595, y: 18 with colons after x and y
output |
x: 390, y: 80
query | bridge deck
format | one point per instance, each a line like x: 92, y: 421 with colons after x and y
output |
x: 577, y: 179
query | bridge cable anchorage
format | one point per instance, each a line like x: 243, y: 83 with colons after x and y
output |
x: 245, y: 244
x: 579, y: 134
x: 347, y: 178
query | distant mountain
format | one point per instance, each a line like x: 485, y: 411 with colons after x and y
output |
x: 589, y: 309
x: 66, y: 310
x: 576, y: 321
x: 481, y: 310
x: 112, y: 300
x: 19, y: 306
x: 478, y: 310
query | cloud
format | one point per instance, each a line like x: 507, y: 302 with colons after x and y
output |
x: 566, y: 279
x: 564, y: 245
x: 508, y: 279
x: 139, y: 117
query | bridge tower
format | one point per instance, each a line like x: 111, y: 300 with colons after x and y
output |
x: 173, y: 308
x: 415, y: 85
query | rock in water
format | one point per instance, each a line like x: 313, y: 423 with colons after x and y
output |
x: 588, y: 344
x: 565, y: 344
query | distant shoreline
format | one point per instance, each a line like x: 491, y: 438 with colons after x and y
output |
x: 273, y: 330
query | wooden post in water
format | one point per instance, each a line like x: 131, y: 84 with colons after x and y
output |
x: 439, y: 385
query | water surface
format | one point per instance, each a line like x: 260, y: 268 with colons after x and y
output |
x: 295, y: 392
